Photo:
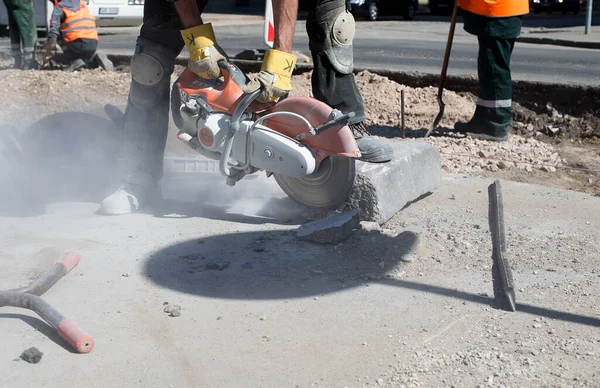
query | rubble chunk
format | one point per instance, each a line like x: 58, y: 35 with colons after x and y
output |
x: 330, y: 230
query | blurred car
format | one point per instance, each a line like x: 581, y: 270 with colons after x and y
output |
x: 42, y: 15
x: 550, y: 6
x: 122, y: 13
x: 440, y: 7
x: 374, y: 9
x: 117, y: 13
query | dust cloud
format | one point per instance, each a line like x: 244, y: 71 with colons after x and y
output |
x: 78, y: 157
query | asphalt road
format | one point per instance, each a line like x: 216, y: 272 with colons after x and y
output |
x: 413, y: 46
x: 417, y: 46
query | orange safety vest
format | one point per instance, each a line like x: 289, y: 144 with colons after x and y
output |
x: 79, y: 25
x: 495, y: 8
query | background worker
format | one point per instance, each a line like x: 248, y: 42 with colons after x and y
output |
x: 497, y: 25
x: 23, y: 33
x: 168, y: 26
x: 74, y: 23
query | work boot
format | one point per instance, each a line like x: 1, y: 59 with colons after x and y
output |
x: 129, y: 198
x: 481, y: 131
x: 372, y: 150
x: 76, y: 65
x: 101, y: 60
x: 18, y: 64
x: 29, y: 63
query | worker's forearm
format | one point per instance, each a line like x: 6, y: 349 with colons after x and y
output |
x: 55, y: 19
x: 285, y: 13
x: 188, y: 12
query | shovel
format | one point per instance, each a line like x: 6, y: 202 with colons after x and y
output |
x: 441, y: 103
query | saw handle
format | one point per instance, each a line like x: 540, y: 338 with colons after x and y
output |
x: 234, y: 125
x: 340, y: 120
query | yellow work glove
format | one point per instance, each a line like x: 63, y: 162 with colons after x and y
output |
x: 204, y: 51
x: 274, y: 77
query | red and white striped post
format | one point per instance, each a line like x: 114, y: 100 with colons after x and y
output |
x: 269, y: 34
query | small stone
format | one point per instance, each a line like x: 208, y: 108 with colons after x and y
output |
x: 537, y: 325
x: 530, y: 127
x: 125, y: 275
x: 408, y: 257
x: 379, y: 381
x: 173, y: 310
x: 528, y: 168
x: 590, y: 181
x: 482, y: 154
x: 502, y: 165
x: 263, y: 318
x: 219, y: 318
x: 32, y: 355
x: 369, y: 226
x: 316, y: 298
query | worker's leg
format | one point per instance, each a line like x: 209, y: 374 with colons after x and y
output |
x: 15, y: 36
x: 25, y: 20
x: 80, y: 53
x: 147, y: 112
x: 494, y: 104
x: 330, y: 31
x: 495, y: 85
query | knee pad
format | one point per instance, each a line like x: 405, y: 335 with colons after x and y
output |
x: 338, y: 29
x: 151, y: 67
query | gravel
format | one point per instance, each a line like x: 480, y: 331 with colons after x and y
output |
x: 30, y: 95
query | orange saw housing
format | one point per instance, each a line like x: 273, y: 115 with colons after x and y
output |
x: 225, y: 95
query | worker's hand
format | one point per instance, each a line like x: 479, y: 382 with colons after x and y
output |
x: 49, y: 46
x: 274, y: 77
x: 204, y: 51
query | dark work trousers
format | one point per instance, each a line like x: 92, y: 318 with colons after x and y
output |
x: 23, y: 33
x: 496, y: 37
x: 147, y: 112
x: 81, y: 49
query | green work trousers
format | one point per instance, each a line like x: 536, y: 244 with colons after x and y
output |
x: 23, y: 33
x: 81, y: 49
x: 496, y: 38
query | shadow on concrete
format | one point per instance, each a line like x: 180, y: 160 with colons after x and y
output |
x: 42, y: 327
x: 69, y: 156
x: 275, y: 265
x: 280, y: 211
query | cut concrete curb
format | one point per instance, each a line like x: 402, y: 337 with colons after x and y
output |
x: 559, y: 42
x: 382, y: 190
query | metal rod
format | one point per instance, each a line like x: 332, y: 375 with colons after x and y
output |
x: 588, y: 16
x: 27, y: 298
x: 59, y: 270
x: 504, y: 289
x: 402, y: 113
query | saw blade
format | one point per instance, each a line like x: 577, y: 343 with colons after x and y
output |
x: 504, y: 289
x: 326, y: 188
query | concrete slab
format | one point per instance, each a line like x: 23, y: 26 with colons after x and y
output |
x: 382, y: 190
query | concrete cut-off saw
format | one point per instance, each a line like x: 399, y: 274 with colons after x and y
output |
x: 303, y: 143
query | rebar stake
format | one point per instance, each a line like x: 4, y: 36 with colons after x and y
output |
x: 29, y: 298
